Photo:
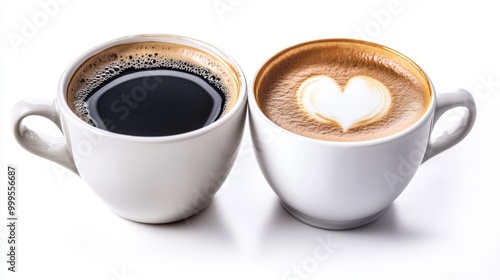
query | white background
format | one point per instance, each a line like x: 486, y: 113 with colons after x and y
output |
x: 446, y: 225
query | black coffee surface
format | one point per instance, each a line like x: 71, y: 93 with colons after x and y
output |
x: 159, y: 102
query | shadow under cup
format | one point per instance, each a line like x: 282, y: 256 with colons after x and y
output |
x: 340, y: 127
x: 149, y: 179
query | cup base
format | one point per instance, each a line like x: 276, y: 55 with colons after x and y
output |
x: 331, y: 225
x: 143, y: 219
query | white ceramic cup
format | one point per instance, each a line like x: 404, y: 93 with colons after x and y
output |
x: 342, y: 185
x: 146, y: 179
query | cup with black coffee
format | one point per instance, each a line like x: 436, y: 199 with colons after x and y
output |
x: 152, y: 123
x: 340, y: 127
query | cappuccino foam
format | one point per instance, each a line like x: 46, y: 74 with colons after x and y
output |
x: 110, y: 63
x: 342, y: 90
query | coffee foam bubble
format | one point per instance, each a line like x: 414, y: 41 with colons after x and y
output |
x: 108, y: 64
x: 341, y: 91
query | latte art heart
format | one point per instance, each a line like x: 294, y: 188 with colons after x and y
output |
x: 364, y: 99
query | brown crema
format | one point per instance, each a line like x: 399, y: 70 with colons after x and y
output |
x: 277, y: 83
x: 111, y: 62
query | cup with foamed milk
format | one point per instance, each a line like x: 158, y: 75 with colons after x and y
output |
x: 340, y: 127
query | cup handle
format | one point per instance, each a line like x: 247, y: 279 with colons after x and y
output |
x: 43, y: 145
x: 446, y: 101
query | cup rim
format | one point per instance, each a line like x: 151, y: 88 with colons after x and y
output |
x: 428, y: 114
x: 240, y: 103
